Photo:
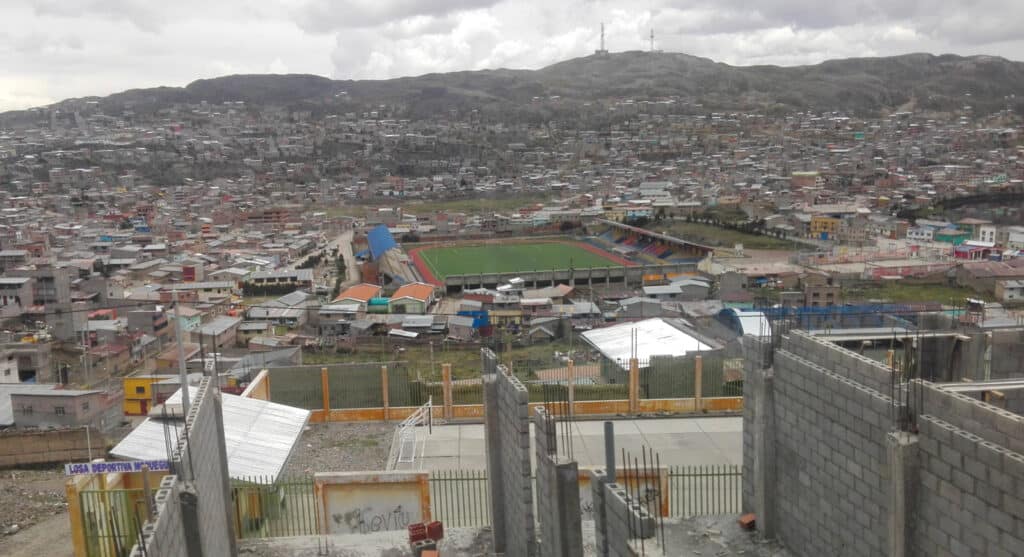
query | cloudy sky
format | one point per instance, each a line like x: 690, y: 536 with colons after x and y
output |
x: 54, y: 49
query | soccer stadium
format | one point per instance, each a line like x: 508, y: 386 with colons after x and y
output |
x: 435, y: 263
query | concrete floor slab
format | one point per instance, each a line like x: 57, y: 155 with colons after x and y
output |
x: 679, y: 441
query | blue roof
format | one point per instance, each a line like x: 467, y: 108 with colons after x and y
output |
x: 380, y: 241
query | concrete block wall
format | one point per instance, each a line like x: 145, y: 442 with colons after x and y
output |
x: 838, y: 360
x: 507, y: 432
x: 1002, y: 427
x: 203, y: 462
x: 558, y: 506
x: 830, y: 462
x: 970, y: 496
x: 625, y: 521
x: 200, y: 462
x: 165, y: 535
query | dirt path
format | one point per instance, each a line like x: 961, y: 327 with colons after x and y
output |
x: 50, y: 537
x: 34, y: 501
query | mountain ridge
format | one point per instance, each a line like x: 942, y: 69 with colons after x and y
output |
x: 872, y: 84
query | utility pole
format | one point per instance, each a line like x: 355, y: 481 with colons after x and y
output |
x: 182, y: 372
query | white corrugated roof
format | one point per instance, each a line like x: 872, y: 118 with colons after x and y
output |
x: 259, y: 435
x: 654, y: 337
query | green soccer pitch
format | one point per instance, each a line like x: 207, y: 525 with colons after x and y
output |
x: 469, y: 259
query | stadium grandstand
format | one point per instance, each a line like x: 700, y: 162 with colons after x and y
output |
x: 644, y: 245
x: 386, y: 259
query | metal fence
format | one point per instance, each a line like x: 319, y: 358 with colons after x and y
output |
x: 111, y: 520
x: 460, y: 498
x: 705, y: 490
x: 267, y: 509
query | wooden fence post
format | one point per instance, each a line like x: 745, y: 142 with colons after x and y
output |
x: 446, y: 391
x: 634, y: 386
x: 384, y: 392
x: 698, y: 383
x: 325, y: 388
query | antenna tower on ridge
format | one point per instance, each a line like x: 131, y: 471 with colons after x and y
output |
x: 601, y: 51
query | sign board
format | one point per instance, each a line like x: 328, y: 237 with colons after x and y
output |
x: 74, y: 469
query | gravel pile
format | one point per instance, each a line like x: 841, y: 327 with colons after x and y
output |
x: 341, y: 447
x: 29, y: 496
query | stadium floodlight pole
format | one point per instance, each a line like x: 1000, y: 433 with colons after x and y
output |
x: 182, y: 372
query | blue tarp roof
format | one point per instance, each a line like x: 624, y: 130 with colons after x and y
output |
x: 380, y: 240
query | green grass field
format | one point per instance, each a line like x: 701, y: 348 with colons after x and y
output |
x: 508, y: 258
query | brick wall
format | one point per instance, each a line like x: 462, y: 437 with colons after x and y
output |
x: 19, y: 448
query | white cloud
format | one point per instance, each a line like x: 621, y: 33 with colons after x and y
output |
x: 52, y: 49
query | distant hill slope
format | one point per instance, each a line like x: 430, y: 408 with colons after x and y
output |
x: 859, y: 84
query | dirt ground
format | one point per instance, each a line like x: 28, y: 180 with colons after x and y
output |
x: 341, y: 447
x: 33, y: 513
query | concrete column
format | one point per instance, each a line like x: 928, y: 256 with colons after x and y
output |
x: 901, y: 449
x: 570, y: 367
x: 764, y: 450
x: 698, y: 383
x: 634, y: 385
x: 325, y: 392
x: 446, y: 390
x: 384, y: 392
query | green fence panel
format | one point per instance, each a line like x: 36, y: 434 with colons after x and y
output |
x: 111, y: 520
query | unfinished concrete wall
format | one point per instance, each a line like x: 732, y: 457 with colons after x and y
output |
x: 619, y: 521
x: 830, y: 457
x: 826, y: 470
x: 558, y: 486
x: 202, y: 509
x: 970, y: 498
x: 164, y: 536
x: 507, y: 434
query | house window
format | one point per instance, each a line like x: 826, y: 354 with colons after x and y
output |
x: 58, y: 410
x: 27, y: 410
x: 85, y: 406
x: 140, y: 390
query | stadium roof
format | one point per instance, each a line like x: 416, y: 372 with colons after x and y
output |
x: 650, y: 337
x: 380, y: 240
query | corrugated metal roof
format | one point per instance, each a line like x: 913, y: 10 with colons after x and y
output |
x: 259, y: 435
x: 654, y: 337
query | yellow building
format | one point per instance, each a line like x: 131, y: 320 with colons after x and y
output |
x: 138, y: 393
x: 824, y: 227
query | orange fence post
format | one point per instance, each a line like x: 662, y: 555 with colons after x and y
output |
x: 698, y: 383
x: 325, y: 388
x: 446, y: 390
x: 75, y: 516
x: 384, y: 392
x: 634, y: 385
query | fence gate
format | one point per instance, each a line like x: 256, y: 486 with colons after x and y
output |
x: 111, y: 520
